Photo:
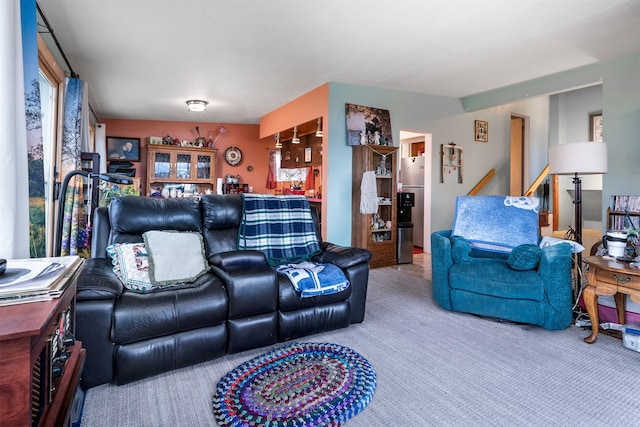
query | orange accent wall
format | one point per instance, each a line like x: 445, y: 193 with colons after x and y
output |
x: 307, y: 107
x: 245, y: 137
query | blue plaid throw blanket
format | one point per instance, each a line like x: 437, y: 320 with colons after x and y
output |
x: 312, y: 279
x: 279, y: 226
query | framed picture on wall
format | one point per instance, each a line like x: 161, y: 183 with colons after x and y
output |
x: 595, y: 127
x: 119, y: 148
x: 481, y: 131
x: 368, y: 125
x: 307, y: 154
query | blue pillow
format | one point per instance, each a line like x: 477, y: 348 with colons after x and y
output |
x: 524, y: 257
x: 460, y: 250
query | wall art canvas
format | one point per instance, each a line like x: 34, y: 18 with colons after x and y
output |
x: 123, y: 148
x: 368, y: 125
x: 595, y: 127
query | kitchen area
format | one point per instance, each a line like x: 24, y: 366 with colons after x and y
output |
x: 297, y: 154
x: 415, y: 179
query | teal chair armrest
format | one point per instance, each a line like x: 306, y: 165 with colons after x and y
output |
x: 555, y: 271
x: 441, y: 262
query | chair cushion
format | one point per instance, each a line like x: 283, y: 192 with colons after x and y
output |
x: 494, y: 277
x: 524, y: 257
x: 139, y: 316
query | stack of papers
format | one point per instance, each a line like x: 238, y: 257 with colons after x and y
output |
x: 28, y: 280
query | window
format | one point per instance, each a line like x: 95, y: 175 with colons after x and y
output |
x: 51, y: 79
x: 298, y: 175
x: 48, y: 113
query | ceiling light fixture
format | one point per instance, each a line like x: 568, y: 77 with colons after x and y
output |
x: 278, y: 143
x: 295, y: 139
x: 196, y: 105
x: 319, y: 133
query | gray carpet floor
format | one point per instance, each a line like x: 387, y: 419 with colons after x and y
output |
x: 434, y: 368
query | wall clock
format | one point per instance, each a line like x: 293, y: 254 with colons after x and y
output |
x: 233, y: 156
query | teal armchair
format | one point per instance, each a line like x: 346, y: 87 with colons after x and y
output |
x: 485, y: 283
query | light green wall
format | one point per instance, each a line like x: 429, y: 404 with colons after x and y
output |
x: 621, y: 130
x: 445, y: 119
x: 621, y: 114
x: 409, y: 111
x: 451, y: 119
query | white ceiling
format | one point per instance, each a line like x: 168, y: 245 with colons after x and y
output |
x: 144, y: 58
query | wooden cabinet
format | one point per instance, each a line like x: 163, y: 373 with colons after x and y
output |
x: 174, y: 171
x: 40, y: 361
x: 376, y: 232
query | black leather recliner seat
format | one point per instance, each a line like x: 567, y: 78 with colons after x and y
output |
x: 240, y: 304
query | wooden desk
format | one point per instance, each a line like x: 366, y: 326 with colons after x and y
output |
x: 32, y: 390
x: 609, y: 277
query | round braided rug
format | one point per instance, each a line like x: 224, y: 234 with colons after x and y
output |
x: 310, y: 384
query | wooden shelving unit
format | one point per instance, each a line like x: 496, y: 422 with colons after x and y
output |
x: 376, y: 232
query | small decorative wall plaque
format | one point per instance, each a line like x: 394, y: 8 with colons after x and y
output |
x: 451, y: 161
x: 481, y: 131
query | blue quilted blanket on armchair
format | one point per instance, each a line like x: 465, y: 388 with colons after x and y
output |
x: 279, y: 226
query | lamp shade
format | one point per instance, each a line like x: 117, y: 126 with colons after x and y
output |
x: 295, y: 139
x: 583, y: 158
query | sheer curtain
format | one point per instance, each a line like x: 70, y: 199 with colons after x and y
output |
x: 272, y: 180
x: 14, y: 191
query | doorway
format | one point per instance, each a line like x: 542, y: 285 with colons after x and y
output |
x: 418, y: 145
x: 519, y: 159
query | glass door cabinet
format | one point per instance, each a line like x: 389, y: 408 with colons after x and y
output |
x: 174, y: 171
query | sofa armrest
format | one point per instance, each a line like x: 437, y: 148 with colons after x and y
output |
x: 100, y: 233
x: 441, y: 262
x: 555, y: 271
x: 98, y: 281
x: 237, y: 259
x: 555, y: 267
x: 98, y: 289
x: 342, y: 256
x: 250, y: 281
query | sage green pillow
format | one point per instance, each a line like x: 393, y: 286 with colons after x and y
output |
x: 524, y: 257
x: 175, y: 257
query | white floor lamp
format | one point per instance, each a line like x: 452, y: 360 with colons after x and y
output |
x: 578, y: 158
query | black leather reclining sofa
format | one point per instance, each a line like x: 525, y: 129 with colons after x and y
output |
x: 240, y: 304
